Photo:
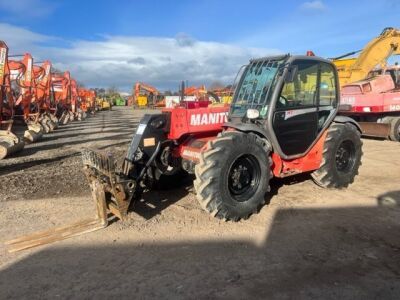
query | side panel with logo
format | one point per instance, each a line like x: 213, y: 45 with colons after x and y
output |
x: 196, y: 120
x: 296, y: 118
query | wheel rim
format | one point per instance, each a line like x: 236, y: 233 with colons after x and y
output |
x: 345, y: 156
x: 244, y: 177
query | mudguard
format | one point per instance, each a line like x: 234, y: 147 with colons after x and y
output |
x: 344, y: 119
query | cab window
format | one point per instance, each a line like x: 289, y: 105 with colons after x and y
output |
x: 302, y: 91
x: 327, y: 93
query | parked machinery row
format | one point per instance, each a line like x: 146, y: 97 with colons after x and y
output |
x: 35, y: 99
x: 147, y: 96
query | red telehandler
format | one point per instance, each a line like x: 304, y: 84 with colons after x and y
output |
x: 282, y: 122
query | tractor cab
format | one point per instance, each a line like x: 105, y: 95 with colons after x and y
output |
x: 288, y: 99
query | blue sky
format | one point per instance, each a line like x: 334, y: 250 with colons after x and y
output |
x: 107, y: 43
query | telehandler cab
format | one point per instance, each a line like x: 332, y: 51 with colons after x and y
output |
x: 282, y: 121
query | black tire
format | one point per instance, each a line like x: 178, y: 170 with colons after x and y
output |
x: 341, y: 157
x: 232, y: 159
x: 395, y: 129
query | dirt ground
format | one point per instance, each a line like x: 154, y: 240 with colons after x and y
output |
x: 308, y: 243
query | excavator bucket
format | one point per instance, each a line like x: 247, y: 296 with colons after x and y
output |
x: 64, y: 118
x: 71, y: 116
x: 68, y: 231
x: 9, y: 143
x: 34, y: 132
x: 47, y: 123
x: 54, y: 119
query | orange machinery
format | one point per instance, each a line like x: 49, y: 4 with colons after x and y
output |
x: 43, y: 96
x: 61, y: 88
x: 201, y: 94
x: 77, y: 111
x: 145, y: 95
x: 225, y: 94
x: 88, y: 100
x: 26, y: 109
x: 9, y: 142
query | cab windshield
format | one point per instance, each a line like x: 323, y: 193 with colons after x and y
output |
x: 255, y: 87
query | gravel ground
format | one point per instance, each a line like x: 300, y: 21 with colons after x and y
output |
x: 307, y: 243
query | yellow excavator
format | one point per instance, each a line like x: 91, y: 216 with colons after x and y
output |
x: 103, y: 104
x: 374, y: 54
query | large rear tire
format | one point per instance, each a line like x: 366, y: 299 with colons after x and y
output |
x: 395, y: 129
x: 341, y: 157
x: 233, y: 175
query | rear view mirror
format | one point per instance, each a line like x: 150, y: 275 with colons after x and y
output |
x: 291, y: 74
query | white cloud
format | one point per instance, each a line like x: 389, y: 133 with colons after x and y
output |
x: 20, y: 39
x: 122, y: 60
x: 27, y: 8
x: 313, y: 5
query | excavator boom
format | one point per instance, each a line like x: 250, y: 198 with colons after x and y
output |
x: 375, y: 53
x: 368, y: 94
x: 139, y: 91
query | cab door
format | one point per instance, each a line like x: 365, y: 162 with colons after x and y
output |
x: 295, y: 119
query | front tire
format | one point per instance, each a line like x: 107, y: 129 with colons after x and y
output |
x: 233, y: 175
x: 341, y: 157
